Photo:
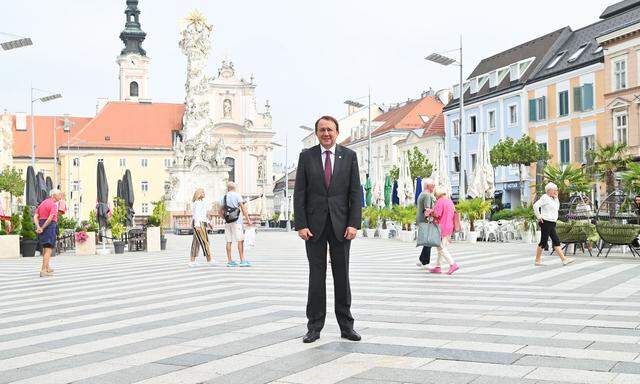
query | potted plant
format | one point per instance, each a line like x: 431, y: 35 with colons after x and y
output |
x: 371, y: 215
x: 383, y: 231
x: 10, y: 237
x: 405, y: 216
x: 116, y: 223
x: 28, y: 243
x: 473, y: 209
x: 160, y: 215
x: 273, y: 223
x: 528, y: 222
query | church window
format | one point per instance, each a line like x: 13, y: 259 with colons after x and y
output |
x: 231, y: 162
x: 133, y: 89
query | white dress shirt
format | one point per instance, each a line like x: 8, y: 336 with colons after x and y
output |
x: 546, y: 208
x: 332, y: 156
x: 199, y: 212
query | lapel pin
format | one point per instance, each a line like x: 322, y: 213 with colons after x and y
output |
x: 339, y: 157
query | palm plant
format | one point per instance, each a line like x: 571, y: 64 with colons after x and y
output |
x: 473, y: 209
x: 607, y: 160
x: 568, y: 179
x: 631, y: 178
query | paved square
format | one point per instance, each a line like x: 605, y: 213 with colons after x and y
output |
x: 149, y: 318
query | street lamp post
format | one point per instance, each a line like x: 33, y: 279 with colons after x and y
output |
x: 51, y: 96
x: 444, y: 60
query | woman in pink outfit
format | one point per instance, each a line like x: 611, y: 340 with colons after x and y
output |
x: 443, y: 213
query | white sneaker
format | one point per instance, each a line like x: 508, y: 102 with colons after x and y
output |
x: 211, y: 263
x: 419, y: 264
x: 568, y: 261
x: 192, y: 264
x: 539, y: 264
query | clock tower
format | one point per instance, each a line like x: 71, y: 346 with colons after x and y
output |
x: 133, y: 62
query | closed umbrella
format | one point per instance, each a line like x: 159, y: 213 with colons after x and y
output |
x: 482, y: 185
x: 362, y: 195
x: 387, y: 191
x: 367, y: 188
x: 128, y: 197
x: 119, y: 192
x: 30, y: 193
x: 489, y: 175
x: 102, y: 207
x: 394, y: 194
x: 49, y: 184
x: 41, y: 188
x: 418, y: 189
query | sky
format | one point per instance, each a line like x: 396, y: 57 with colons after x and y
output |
x: 307, y: 57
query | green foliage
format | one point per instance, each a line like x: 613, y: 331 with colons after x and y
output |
x: 473, y: 209
x: 66, y: 223
x: 631, y: 178
x: 405, y: 216
x: 522, y: 152
x: 11, y: 181
x: 118, y: 219
x: 607, y: 160
x: 16, y: 224
x: 159, y: 215
x: 275, y: 217
x: 504, y: 214
x: 568, y: 179
x: 371, y: 215
x: 394, y: 172
x: 525, y: 213
x: 28, y: 230
x: 419, y: 165
x: 92, y: 224
x: 117, y: 230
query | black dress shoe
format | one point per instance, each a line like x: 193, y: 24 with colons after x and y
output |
x: 350, y: 335
x: 310, y: 337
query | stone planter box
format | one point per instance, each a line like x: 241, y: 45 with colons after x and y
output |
x: 88, y: 247
x: 383, y: 233
x: 472, y: 237
x: 9, y: 246
x: 406, y: 236
x: 370, y: 232
x: 153, y: 239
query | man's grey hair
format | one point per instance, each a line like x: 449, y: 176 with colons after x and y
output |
x: 231, y: 186
x: 54, y: 192
x: 428, y: 181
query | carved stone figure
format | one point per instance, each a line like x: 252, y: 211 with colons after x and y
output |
x: 226, y: 108
x: 220, y: 152
x: 261, y: 173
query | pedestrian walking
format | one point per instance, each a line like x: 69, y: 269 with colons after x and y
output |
x: 46, y: 220
x: 546, y: 211
x: 426, y: 201
x: 199, y: 223
x: 233, y: 210
x: 443, y: 212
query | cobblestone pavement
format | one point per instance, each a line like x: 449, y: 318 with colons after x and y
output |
x: 149, y: 318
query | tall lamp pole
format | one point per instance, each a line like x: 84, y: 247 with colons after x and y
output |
x: 444, y: 60
x: 49, y: 97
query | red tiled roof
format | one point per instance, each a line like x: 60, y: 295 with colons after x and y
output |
x: 434, y: 127
x: 117, y: 125
x: 409, y: 116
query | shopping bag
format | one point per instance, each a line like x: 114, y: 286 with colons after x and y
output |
x: 456, y: 222
x: 250, y: 237
x: 428, y: 235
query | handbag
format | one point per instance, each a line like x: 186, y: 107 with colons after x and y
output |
x: 456, y: 222
x: 428, y: 234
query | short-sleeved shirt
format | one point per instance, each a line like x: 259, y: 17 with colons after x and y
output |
x: 47, y: 208
x: 233, y: 201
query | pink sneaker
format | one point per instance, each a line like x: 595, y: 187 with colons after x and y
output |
x: 452, y: 269
x: 435, y: 270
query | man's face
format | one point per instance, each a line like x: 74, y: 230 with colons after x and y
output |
x: 57, y: 196
x: 327, y: 133
x: 430, y: 187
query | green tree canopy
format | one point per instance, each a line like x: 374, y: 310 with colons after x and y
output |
x: 419, y: 165
x: 11, y: 181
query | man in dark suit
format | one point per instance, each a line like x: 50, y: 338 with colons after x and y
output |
x: 327, y: 205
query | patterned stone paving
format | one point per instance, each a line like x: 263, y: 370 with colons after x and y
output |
x: 148, y: 318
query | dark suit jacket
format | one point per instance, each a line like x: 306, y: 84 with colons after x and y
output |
x: 342, y: 200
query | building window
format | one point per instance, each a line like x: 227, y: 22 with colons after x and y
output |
x: 513, y: 115
x: 620, y: 74
x: 456, y: 163
x: 577, y: 53
x: 563, y: 103
x: 167, y: 163
x: 386, y: 151
x: 492, y: 120
x: 133, y: 89
x: 583, y: 98
x: 620, y: 128
x: 538, y: 109
x: 145, y: 208
x: 144, y: 186
x: 76, y: 210
x: 543, y: 146
x: 456, y: 128
x: 474, y: 161
x: 493, y: 79
x: 556, y: 59
x: 100, y: 160
x: 564, y: 151
x: 75, y: 186
x: 144, y: 162
x: 472, y: 124
x: 76, y: 161
x: 123, y: 162
x: 584, y: 145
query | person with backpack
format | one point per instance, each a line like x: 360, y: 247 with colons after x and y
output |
x: 233, y: 210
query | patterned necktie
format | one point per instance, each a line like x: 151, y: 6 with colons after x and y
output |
x: 327, y: 168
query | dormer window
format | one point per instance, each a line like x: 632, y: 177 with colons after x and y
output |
x: 473, y: 85
x: 556, y: 59
x: 493, y: 79
x: 598, y: 50
x: 577, y: 53
x: 525, y: 65
x: 456, y: 91
x: 481, y: 81
x: 514, y: 72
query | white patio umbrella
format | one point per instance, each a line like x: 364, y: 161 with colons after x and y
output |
x: 440, y: 170
x: 489, y: 176
x: 482, y: 183
x: 406, y: 197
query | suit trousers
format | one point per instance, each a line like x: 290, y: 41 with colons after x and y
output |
x: 317, y: 296
x: 425, y: 255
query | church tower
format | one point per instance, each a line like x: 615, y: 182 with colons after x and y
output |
x: 133, y: 61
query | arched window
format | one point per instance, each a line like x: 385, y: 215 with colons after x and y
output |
x: 231, y: 162
x: 133, y: 89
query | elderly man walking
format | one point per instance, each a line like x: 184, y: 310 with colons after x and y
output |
x: 233, y: 210
x: 46, y: 220
x: 426, y: 201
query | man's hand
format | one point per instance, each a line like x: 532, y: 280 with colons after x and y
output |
x: 350, y: 233
x: 305, y: 234
x: 39, y: 230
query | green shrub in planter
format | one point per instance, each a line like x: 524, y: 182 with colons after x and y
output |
x: 504, y: 214
x: 28, y: 230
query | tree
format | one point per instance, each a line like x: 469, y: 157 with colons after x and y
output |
x: 523, y: 152
x: 419, y: 164
x: 473, y: 209
x: 607, y: 160
x: 631, y: 178
x: 568, y: 179
x: 11, y: 182
x: 394, y: 172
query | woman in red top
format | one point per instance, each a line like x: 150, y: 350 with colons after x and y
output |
x: 46, y: 219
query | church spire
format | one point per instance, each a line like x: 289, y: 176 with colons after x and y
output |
x: 132, y: 36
